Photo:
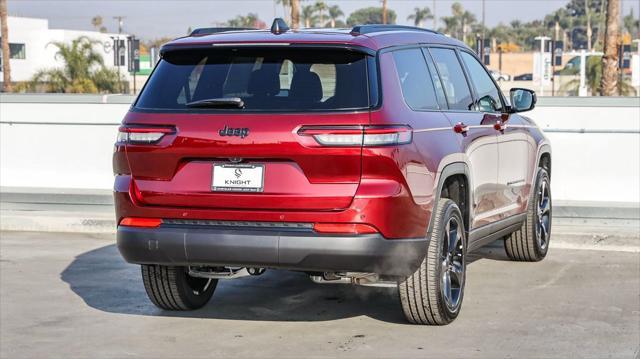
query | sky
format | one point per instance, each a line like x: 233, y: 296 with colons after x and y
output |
x: 151, y: 19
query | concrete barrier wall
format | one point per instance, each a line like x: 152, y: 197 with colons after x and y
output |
x: 66, y: 141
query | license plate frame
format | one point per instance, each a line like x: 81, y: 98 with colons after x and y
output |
x: 237, y: 172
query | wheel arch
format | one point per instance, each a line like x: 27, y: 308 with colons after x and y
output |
x: 454, y: 183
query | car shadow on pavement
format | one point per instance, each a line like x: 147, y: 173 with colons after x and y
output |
x: 107, y: 283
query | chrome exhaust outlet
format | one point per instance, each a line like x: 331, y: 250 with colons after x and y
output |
x: 354, y: 278
x: 218, y: 272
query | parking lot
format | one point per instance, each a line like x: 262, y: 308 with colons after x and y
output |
x: 71, y: 295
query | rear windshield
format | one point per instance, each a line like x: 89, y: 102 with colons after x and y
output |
x: 265, y: 79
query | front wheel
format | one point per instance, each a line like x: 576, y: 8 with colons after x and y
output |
x: 433, y: 293
x: 172, y: 288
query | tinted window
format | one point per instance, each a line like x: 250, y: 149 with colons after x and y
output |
x: 488, y: 94
x: 453, y: 80
x: 417, y: 87
x: 265, y: 79
x: 442, y: 99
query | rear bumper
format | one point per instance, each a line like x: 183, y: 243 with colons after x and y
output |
x: 295, y: 250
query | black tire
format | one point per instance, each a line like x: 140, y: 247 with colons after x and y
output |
x: 530, y: 243
x: 423, y: 295
x: 172, y: 288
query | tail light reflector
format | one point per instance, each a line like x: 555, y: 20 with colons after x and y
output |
x: 344, y: 228
x: 368, y: 136
x: 141, y: 222
x: 142, y: 135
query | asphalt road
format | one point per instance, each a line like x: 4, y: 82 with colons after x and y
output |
x: 71, y: 295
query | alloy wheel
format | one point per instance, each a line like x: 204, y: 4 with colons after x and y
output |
x: 453, y: 266
x: 543, y: 217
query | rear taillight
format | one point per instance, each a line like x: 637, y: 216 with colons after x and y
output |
x: 141, y: 222
x: 344, y: 228
x: 142, y: 134
x: 368, y: 136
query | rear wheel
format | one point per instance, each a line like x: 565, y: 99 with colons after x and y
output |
x: 172, y: 288
x: 433, y: 293
x: 531, y: 242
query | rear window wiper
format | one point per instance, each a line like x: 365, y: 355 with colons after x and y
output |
x: 218, y: 102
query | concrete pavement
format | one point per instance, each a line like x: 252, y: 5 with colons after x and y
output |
x: 71, y: 295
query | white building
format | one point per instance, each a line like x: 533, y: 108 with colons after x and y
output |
x: 31, y: 49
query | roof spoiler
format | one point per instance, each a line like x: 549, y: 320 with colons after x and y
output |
x: 214, y: 30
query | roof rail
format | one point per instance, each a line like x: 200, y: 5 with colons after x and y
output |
x: 214, y: 30
x: 366, y: 29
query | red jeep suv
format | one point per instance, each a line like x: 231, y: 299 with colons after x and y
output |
x: 379, y: 155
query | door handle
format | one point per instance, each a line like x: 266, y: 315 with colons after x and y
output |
x: 500, y: 125
x: 461, y: 128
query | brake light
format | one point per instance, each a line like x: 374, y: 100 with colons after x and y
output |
x: 344, y: 228
x: 141, y: 222
x: 368, y: 136
x: 142, y: 135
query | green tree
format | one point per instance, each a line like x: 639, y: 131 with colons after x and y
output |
x: 630, y: 24
x: 459, y: 23
x: 334, y: 14
x: 97, y: 22
x: 593, y: 77
x: 420, y: 15
x: 309, y: 16
x: 370, y: 15
x: 83, y: 70
x: 321, y: 8
x: 250, y: 20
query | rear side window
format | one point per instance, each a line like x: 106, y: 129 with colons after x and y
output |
x: 453, y: 80
x: 417, y: 87
x: 488, y: 95
x: 265, y: 79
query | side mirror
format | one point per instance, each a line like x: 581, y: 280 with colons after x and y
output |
x: 522, y: 100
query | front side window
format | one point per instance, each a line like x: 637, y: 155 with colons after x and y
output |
x: 417, y: 87
x: 487, y: 92
x: 264, y: 79
x: 453, y: 80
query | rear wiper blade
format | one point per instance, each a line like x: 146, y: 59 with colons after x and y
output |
x: 218, y: 102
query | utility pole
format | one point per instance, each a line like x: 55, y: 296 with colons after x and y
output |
x: 610, y: 58
x: 6, y: 56
x: 120, y: 22
x: 483, y: 27
x: 117, y: 48
x: 435, y: 17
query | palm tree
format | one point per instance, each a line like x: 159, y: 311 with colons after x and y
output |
x: 384, y: 11
x: 450, y: 25
x: 4, y: 34
x: 610, y: 58
x: 309, y: 16
x: 251, y: 20
x: 96, y: 21
x: 286, y: 4
x: 593, y: 75
x: 321, y: 7
x: 334, y: 14
x: 83, y: 71
x: 419, y: 15
x: 295, y: 14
